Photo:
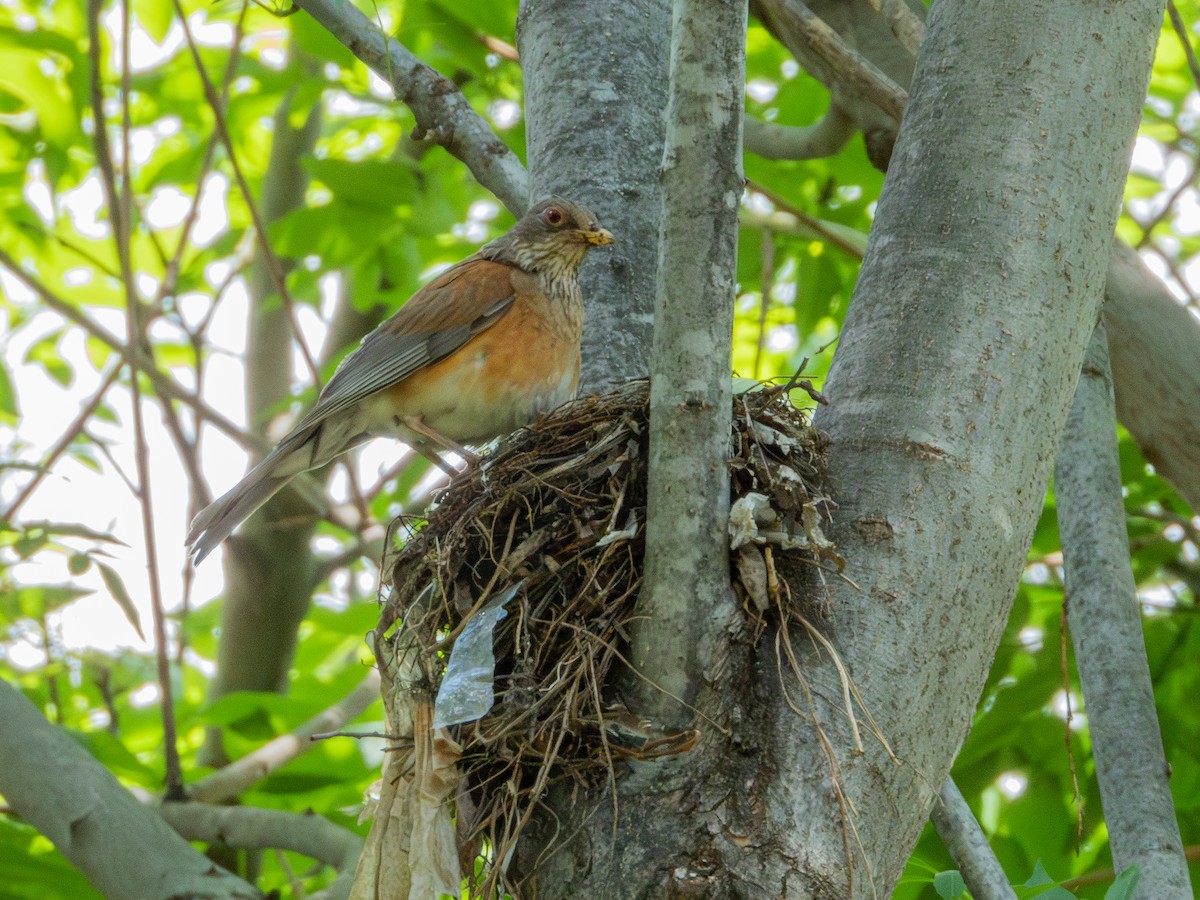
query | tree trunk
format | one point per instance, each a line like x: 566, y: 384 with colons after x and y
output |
x: 956, y: 368
x: 266, y: 601
x: 1110, y: 650
x: 957, y: 365
x: 595, y: 133
x: 1155, y: 346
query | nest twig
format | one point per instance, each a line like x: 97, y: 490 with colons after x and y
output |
x: 559, y: 512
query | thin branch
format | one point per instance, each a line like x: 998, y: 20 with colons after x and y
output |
x: 443, y: 114
x: 171, y: 271
x: 1106, y: 630
x: 163, y: 383
x: 229, y: 781
x: 120, y: 204
x: 825, y: 138
x: 272, y: 261
x: 858, y: 74
x: 906, y: 25
x: 767, y: 280
x: 1181, y: 30
x: 959, y: 830
x: 1165, y: 209
x: 846, y: 239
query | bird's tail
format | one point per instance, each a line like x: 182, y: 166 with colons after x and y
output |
x: 216, y: 521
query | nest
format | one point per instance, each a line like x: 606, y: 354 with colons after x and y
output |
x: 550, y: 527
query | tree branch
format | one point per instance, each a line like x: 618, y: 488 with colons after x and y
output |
x: 120, y: 204
x: 226, y: 783
x: 442, y: 112
x: 686, y: 598
x: 1106, y: 630
x: 807, y: 34
x: 249, y: 828
x: 959, y: 830
x: 906, y: 25
x: 825, y: 138
x: 123, y: 848
x: 1155, y: 346
x: 1154, y: 341
x: 937, y: 498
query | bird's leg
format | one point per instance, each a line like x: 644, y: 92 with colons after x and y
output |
x: 437, y: 439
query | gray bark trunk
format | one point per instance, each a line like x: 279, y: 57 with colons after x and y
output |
x: 1154, y: 341
x: 955, y: 371
x: 595, y: 89
x: 686, y: 604
x: 1110, y: 652
x: 1155, y: 347
x: 122, y: 847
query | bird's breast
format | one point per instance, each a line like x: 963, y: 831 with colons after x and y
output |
x: 525, y: 364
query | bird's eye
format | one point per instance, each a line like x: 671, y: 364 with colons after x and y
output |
x: 553, y: 216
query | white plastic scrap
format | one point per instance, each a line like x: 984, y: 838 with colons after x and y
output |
x: 467, y: 691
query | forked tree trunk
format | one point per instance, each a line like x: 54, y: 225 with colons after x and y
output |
x: 981, y: 287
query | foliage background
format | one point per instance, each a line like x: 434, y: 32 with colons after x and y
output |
x: 381, y: 212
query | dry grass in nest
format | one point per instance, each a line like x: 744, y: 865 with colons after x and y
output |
x: 556, y: 518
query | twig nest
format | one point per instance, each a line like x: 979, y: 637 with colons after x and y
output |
x: 543, y: 541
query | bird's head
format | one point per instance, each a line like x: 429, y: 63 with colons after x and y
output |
x: 551, y: 239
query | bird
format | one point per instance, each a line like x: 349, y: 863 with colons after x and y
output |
x: 478, y: 352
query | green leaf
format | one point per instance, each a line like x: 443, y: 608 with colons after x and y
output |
x: 116, y: 587
x: 46, y: 354
x: 377, y: 184
x: 338, y: 233
x: 34, y: 870
x: 46, y: 95
x: 8, y: 398
x: 1039, y: 877
x: 949, y: 885
x: 155, y: 17
x: 1126, y: 884
x: 33, y: 601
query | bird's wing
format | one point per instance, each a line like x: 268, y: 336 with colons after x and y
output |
x: 437, y: 320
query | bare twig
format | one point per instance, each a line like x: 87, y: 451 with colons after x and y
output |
x: 228, y: 782
x: 767, y: 280
x: 272, y: 261
x: 823, y: 229
x: 855, y: 71
x: 905, y: 24
x: 1181, y: 30
x: 120, y: 202
x: 442, y: 112
x: 959, y: 830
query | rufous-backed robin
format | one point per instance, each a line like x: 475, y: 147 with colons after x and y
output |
x: 478, y: 352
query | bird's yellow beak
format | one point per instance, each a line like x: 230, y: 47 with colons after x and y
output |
x: 597, y: 238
